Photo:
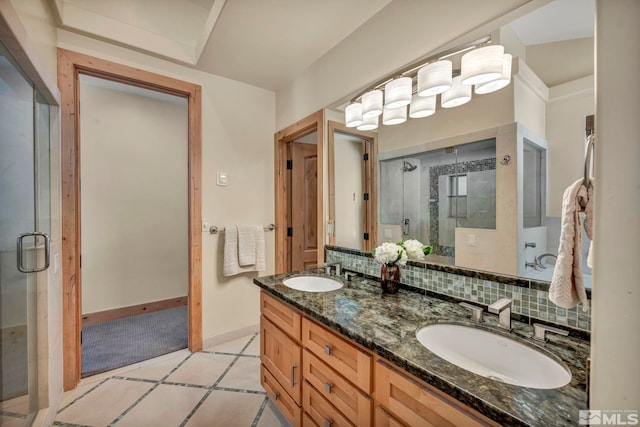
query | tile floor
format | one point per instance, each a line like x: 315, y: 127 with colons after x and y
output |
x: 219, y: 386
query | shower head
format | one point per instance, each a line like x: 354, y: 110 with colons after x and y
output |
x: 408, y: 167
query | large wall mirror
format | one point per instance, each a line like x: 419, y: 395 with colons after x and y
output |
x: 483, y: 182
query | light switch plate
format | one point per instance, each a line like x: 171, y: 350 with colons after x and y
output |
x: 223, y: 179
x: 387, y: 233
x: 471, y: 239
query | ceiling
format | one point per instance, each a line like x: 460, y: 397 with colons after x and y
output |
x: 268, y: 43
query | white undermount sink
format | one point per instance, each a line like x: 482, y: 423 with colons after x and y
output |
x: 312, y: 284
x: 493, y: 356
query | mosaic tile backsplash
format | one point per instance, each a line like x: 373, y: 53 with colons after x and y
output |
x: 526, y: 300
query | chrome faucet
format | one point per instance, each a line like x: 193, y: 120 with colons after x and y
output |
x: 476, y: 312
x: 539, y: 331
x: 502, y: 308
x: 542, y: 257
x: 334, y: 265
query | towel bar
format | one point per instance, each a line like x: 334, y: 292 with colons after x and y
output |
x: 215, y: 229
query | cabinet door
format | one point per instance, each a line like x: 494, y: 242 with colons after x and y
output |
x: 276, y: 393
x: 416, y: 405
x: 282, y: 357
x: 346, y: 397
x: 281, y: 315
x: 322, y: 412
x: 348, y: 360
x: 384, y: 419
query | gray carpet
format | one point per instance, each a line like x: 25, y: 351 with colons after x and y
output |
x: 121, y: 342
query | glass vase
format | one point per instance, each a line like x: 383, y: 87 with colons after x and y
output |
x: 390, y: 278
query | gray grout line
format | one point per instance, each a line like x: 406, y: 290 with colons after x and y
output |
x: 239, y: 390
x: 148, y: 392
x: 256, y: 420
x: 59, y: 423
x: 257, y: 356
x: 85, y: 393
x: 13, y: 415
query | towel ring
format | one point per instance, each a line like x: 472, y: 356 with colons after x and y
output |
x: 587, y: 161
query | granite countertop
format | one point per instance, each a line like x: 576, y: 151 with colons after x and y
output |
x: 386, y: 325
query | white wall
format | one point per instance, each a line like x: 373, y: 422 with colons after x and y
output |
x: 134, y: 174
x: 615, y: 339
x: 244, y: 151
x: 349, y: 204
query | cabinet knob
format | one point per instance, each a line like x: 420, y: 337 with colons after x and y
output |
x: 328, y: 423
x: 328, y: 350
x: 328, y: 387
x: 293, y: 376
x: 276, y: 395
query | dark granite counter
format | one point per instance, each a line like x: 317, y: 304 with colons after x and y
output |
x: 386, y: 325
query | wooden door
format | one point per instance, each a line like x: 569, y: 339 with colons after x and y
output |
x: 304, y: 206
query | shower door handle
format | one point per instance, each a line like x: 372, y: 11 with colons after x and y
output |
x: 47, y: 252
x: 405, y: 227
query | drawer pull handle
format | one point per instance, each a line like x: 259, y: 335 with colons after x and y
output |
x: 328, y: 387
x: 293, y: 378
x: 276, y: 395
x: 328, y: 423
x: 328, y: 350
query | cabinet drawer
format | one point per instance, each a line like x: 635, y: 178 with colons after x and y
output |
x: 274, y: 390
x: 280, y: 315
x: 344, y: 357
x: 282, y: 357
x: 346, y: 397
x: 416, y: 405
x: 384, y: 419
x: 320, y: 411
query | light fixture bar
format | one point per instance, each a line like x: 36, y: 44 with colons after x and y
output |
x: 411, y: 70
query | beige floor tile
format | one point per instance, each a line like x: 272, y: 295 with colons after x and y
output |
x: 254, y: 347
x: 104, y: 404
x: 271, y: 417
x: 156, y: 369
x: 18, y: 405
x: 234, y: 346
x: 11, y: 421
x: 226, y: 409
x: 167, y: 405
x: 245, y: 375
x: 72, y: 395
x: 201, y: 369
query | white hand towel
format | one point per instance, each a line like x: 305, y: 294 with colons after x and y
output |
x: 231, y: 264
x: 261, y: 262
x: 567, y: 285
x: 247, y: 245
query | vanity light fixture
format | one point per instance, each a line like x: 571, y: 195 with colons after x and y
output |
x: 500, y: 82
x: 483, y: 65
x: 353, y: 115
x: 422, y: 106
x: 435, y: 78
x: 372, y: 104
x: 458, y: 94
x: 397, y: 93
x: 369, y: 123
x: 394, y: 116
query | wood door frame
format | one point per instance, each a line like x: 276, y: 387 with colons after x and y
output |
x: 70, y: 66
x: 312, y: 123
x: 369, y: 180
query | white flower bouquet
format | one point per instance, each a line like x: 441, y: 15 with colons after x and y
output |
x: 415, y: 249
x: 390, y: 253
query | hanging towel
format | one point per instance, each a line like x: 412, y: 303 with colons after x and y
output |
x: 231, y: 263
x: 567, y: 285
x: 247, y: 245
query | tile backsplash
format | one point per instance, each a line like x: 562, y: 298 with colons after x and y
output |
x: 470, y: 285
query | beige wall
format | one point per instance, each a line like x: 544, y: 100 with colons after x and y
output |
x: 568, y: 105
x: 615, y: 339
x: 530, y: 97
x: 244, y: 151
x: 349, y: 204
x: 134, y: 175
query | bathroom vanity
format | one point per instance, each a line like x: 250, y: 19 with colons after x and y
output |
x: 351, y: 357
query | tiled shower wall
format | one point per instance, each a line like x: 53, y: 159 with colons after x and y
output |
x: 526, y: 299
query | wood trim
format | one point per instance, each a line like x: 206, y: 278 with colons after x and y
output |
x: 370, y: 141
x: 312, y: 123
x: 70, y: 65
x: 132, y: 310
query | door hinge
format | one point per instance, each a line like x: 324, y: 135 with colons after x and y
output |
x: 289, y: 164
x: 365, y: 156
x: 80, y: 261
x: 366, y: 196
x: 289, y: 231
x: 366, y: 236
x: 81, y: 337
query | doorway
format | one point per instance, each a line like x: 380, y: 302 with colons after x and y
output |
x: 71, y: 66
x: 299, y: 166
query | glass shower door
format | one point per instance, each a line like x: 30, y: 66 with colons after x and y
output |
x: 23, y: 250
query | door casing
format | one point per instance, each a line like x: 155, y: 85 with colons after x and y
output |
x: 70, y: 66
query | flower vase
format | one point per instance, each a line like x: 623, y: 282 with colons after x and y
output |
x: 390, y: 278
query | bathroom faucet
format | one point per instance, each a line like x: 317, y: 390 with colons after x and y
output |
x: 542, y: 257
x: 335, y: 265
x: 539, y: 331
x: 502, y: 308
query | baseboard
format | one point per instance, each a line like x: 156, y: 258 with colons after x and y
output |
x: 132, y: 310
x: 231, y: 335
